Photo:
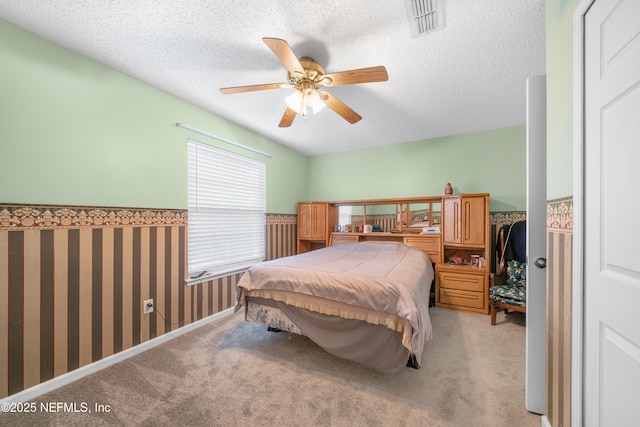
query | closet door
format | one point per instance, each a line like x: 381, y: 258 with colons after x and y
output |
x: 611, y: 232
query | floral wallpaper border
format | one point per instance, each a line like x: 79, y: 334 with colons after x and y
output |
x: 13, y: 216
x: 284, y: 219
x: 19, y: 217
x: 507, y: 217
x: 560, y: 214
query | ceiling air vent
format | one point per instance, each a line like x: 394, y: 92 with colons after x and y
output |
x: 425, y: 16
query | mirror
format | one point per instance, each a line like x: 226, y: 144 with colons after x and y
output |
x: 382, y: 217
x: 407, y: 217
x: 416, y: 217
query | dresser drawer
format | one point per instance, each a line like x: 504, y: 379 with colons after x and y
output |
x: 429, y: 244
x: 461, y: 281
x: 462, y: 298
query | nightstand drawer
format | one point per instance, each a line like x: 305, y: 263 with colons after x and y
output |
x: 462, y: 298
x: 461, y: 281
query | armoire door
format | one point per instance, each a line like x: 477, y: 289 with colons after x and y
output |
x: 451, y: 219
x: 305, y: 224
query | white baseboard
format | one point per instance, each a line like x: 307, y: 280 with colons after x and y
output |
x: 545, y: 421
x: 76, y: 374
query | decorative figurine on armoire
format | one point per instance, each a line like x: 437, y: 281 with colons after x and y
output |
x: 448, y: 190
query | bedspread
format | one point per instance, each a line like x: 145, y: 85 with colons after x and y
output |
x: 382, y: 283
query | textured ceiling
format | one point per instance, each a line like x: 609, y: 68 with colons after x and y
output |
x: 470, y: 76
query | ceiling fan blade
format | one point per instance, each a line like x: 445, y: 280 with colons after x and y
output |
x: 361, y: 75
x: 284, y: 53
x: 240, y: 89
x: 340, y: 107
x: 287, y: 118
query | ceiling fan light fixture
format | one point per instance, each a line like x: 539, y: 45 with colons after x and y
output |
x: 301, y: 102
x: 314, y: 100
x: 306, y: 76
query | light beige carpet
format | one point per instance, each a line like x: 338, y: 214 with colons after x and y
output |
x: 231, y: 372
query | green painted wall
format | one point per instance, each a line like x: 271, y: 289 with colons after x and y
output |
x: 73, y: 131
x: 480, y: 162
x: 559, y: 30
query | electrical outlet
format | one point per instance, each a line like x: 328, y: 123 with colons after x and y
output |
x: 147, y: 306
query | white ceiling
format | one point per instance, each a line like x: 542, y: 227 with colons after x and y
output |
x: 470, y: 76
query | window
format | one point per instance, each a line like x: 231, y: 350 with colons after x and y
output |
x: 226, y: 211
x: 344, y: 214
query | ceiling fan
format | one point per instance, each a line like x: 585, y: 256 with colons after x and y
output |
x: 307, y: 78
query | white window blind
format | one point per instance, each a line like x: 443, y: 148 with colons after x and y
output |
x: 226, y: 211
x: 344, y: 214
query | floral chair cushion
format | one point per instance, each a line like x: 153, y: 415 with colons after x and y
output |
x: 516, y: 272
x: 513, y: 295
x: 514, y: 291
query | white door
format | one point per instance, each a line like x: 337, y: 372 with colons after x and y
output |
x: 536, y: 244
x: 611, y: 211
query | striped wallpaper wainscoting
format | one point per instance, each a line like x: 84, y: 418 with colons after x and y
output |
x: 282, y: 235
x: 73, y: 281
x: 559, y: 272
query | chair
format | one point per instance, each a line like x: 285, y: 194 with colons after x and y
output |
x: 510, y: 293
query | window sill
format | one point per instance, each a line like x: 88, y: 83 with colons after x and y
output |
x: 211, y: 276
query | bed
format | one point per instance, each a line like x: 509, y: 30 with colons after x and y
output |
x: 366, y: 302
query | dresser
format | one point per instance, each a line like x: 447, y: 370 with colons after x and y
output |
x: 466, y: 234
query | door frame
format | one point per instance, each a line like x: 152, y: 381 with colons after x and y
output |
x: 577, y: 279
